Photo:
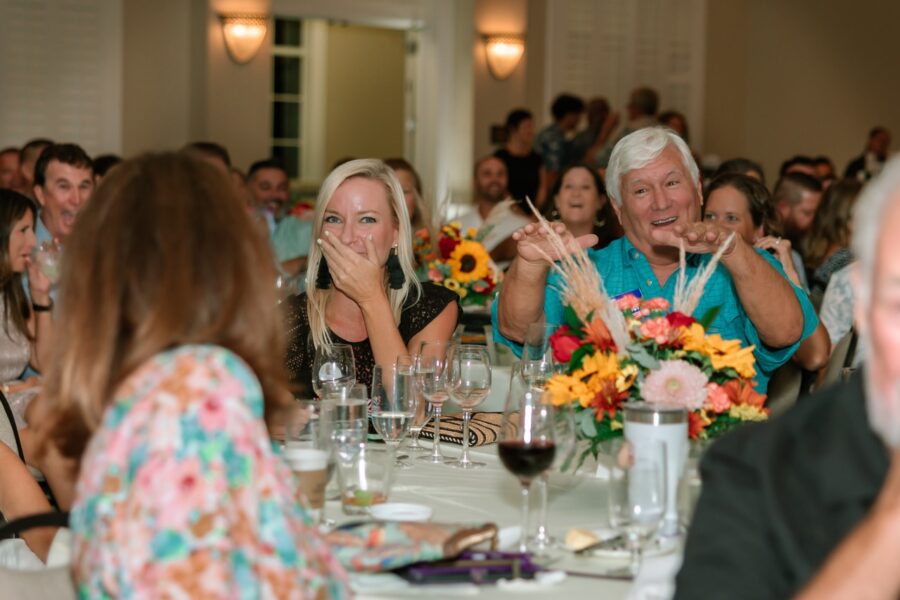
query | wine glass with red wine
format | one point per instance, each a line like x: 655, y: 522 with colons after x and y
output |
x: 527, y: 445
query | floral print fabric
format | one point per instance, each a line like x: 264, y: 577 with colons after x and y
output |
x: 181, y: 495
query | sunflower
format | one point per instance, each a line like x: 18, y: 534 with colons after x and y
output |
x: 469, y: 262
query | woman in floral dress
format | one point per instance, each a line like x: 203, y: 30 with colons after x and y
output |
x: 167, y: 363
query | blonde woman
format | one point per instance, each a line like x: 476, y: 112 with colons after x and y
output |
x: 361, y: 287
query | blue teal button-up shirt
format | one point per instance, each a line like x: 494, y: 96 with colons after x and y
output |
x: 624, y: 269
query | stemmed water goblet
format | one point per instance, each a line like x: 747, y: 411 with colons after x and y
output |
x: 393, y: 403
x: 527, y: 444
x: 333, y: 367
x: 422, y: 408
x: 431, y: 375
x: 637, y: 496
x: 468, y: 383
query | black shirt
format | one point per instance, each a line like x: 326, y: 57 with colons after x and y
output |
x: 780, y: 496
x: 413, y: 319
x: 524, y: 174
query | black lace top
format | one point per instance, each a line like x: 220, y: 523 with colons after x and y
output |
x: 413, y: 319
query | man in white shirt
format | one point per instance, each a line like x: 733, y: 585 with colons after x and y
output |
x: 494, y: 208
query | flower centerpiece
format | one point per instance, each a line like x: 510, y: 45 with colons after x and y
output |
x: 629, y: 349
x: 460, y: 263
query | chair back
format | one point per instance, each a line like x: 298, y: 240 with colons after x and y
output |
x: 784, y: 388
x: 52, y: 583
x: 841, y: 358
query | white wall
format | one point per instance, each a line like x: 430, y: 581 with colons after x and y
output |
x: 61, y: 66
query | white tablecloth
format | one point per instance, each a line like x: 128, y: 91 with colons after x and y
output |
x: 492, y: 495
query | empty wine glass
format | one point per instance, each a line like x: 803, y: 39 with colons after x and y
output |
x: 431, y: 375
x: 468, y: 383
x: 393, y: 403
x: 527, y: 444
x: 637, y: 496
x: 333, y: 367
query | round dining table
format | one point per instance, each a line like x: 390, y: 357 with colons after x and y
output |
x: 492, y: 495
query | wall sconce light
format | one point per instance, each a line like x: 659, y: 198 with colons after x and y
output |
x: 244, y: 34
x: 503, y: 53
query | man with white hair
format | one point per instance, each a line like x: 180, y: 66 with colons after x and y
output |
x: 654, y: 185
x: 808, y: 505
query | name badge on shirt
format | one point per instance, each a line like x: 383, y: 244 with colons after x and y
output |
x: 636, y: 293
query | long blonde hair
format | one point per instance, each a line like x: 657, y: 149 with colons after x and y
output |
x: 317, y: 299
x: 163, y: 255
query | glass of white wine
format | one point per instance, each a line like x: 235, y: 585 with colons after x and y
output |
x: 468, y: 383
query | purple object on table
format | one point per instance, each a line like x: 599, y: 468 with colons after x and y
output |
x: 479, y: 567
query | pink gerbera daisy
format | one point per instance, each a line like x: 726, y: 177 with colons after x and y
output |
x: 676, y: 383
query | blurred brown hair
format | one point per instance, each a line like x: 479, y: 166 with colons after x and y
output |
x: 831, y: 226
x: 163, y: 255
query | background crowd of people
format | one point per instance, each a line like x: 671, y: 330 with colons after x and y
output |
x: 163, y: 338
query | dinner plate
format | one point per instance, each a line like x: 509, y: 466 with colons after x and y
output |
x: 658, y: 546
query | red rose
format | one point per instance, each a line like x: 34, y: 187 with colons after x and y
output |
x: 447, y: 245
x: 564, y: 344
x: 677, y: 319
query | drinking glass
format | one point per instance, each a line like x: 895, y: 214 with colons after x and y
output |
x: 431, y: 375
x: 468, y: 383
x: 345, y: 414
x: 536, y: 345
x: 48, y: 256
x: 536, y: 372
x: 423, y: 408
x: 637, y: 496
x: 345, y: 418
x: 527, y: 444
x: 393, y: 403
x: 365, y: 480
x: 308, y: 451
x: 565, y: 437
x: 333, y: 367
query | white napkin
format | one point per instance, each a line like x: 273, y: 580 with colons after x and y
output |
x: 656, y: 579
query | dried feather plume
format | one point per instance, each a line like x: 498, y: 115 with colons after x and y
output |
x: 688, y: 293
x: 582, y: 287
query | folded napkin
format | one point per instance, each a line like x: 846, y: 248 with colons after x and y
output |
x: 484, y: 428
x: 374, y: 546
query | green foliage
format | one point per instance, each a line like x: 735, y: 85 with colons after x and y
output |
x: 642, y: 357
x: 571, y: 319
x: 708, y: 317
x: 587, y: 425
x: 578, y: 357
